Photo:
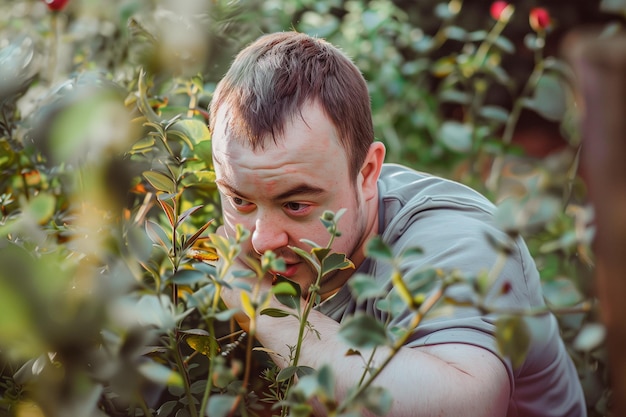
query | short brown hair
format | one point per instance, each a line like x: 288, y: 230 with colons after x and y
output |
x: 275, y: 76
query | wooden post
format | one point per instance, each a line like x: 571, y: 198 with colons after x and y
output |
x: 601, y: 68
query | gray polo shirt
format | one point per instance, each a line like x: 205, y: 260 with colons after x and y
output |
x: 451, y: 224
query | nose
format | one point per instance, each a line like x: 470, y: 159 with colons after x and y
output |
x: 268, y: 234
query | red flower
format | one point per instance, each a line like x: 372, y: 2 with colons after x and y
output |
x: 55, y: 5
x: 539, y: 19
x: 496, y: 9
x: 501, y: 10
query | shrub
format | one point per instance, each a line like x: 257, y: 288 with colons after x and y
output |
x: 108, y: 292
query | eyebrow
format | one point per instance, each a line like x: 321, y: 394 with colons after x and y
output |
x: 300, y: 189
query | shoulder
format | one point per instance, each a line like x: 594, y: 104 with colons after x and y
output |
x: 454, y: 226
x: 403, y: 188
x: 430, y: 206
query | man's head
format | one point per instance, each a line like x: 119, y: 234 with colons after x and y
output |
x: 272, y: 79
x: 292, y: 137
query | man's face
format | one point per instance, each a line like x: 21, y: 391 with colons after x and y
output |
x: 280, y: 192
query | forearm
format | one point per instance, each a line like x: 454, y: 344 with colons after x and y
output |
x: 441, y: 380
x: 422, y: 381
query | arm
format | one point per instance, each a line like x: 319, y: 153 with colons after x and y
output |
x: 439, y: 380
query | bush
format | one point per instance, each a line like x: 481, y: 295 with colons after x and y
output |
x: 108, y: 294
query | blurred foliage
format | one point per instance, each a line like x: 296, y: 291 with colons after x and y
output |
x: 108, y: 300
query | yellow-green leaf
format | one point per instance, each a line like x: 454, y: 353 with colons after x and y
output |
x: 246, y: 304
x: 160, y: 182
x: 41, y: 207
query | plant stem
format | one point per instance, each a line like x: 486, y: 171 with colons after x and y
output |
x: 493, y: 182
x: 247, y: 372
x: 209, y: 383
x: 492, y: 36
x: 53, y: 56
x: 309, y: 302
x: 307, y: 310
x: 193, y: 100
x: 144, y: 407
x: 181, y: 366
x: 417, y: 319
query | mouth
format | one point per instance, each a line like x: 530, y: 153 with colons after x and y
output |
x: 289, y: 271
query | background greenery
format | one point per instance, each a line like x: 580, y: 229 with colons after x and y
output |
x: 107, y: 306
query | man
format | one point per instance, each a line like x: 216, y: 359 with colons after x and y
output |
x: 292, y: 137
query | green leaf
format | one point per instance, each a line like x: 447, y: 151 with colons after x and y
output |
x: 561, y: 292
x: 308, y: 386
x: 284, y: 287
x: 364, y: 286
x: 303, y: 370
x: 372, y: 20
x: 197, y: 234
x: 320, y: 253
x: 456, y: 33
x: 335, y: 261
x: 202, y: 179
x: 591, y: 336
x: 549, y: 99
x: 422, y: 280
x: 455, y: 96
x: 310, y: 243
x: 167, y: 408
x: 307, y: 257
x: 286, y: 373
x: 198, y: 387
x: 192, y: 131
x: 478, y: 35
x: 204, y: 151
x: 515, y: 215
x: 377, y: 400
x: 378, y: 249
x: 613, y: 6
x: 220, y: 405
x: 41, y: 207
x: 363, y: 331
x: 443, y: 66
x: 187, y: 277
x: 142, y: 99
x: 220, y: 243
x: 226, y: 315
x: 496, y: 113
x: 505, y: 44
x: 143, y: 144
x: 290, y: 298
x: 160, y: 374
x: 157, y: 235
x: 412, y: 251
x: 322, y: 25
x: 160, y: 182
x: 188, y: 213
x: 202, y: 343
x: 326, y: 380
x: 443, y: 11
x: 17, y: 321
x: 456, y: 136
x: 275, y: 312
x: 513, y: 338
x: 169, y: 212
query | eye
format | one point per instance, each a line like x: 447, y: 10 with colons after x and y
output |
x: 240, y: 204
x: 297, y: 208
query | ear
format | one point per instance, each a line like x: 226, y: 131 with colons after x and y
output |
x: 370, y: 171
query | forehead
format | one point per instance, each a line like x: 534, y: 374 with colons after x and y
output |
x: 306, y: 137
x: 308, y: 152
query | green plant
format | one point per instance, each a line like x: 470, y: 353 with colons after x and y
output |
x: 109, y: 291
